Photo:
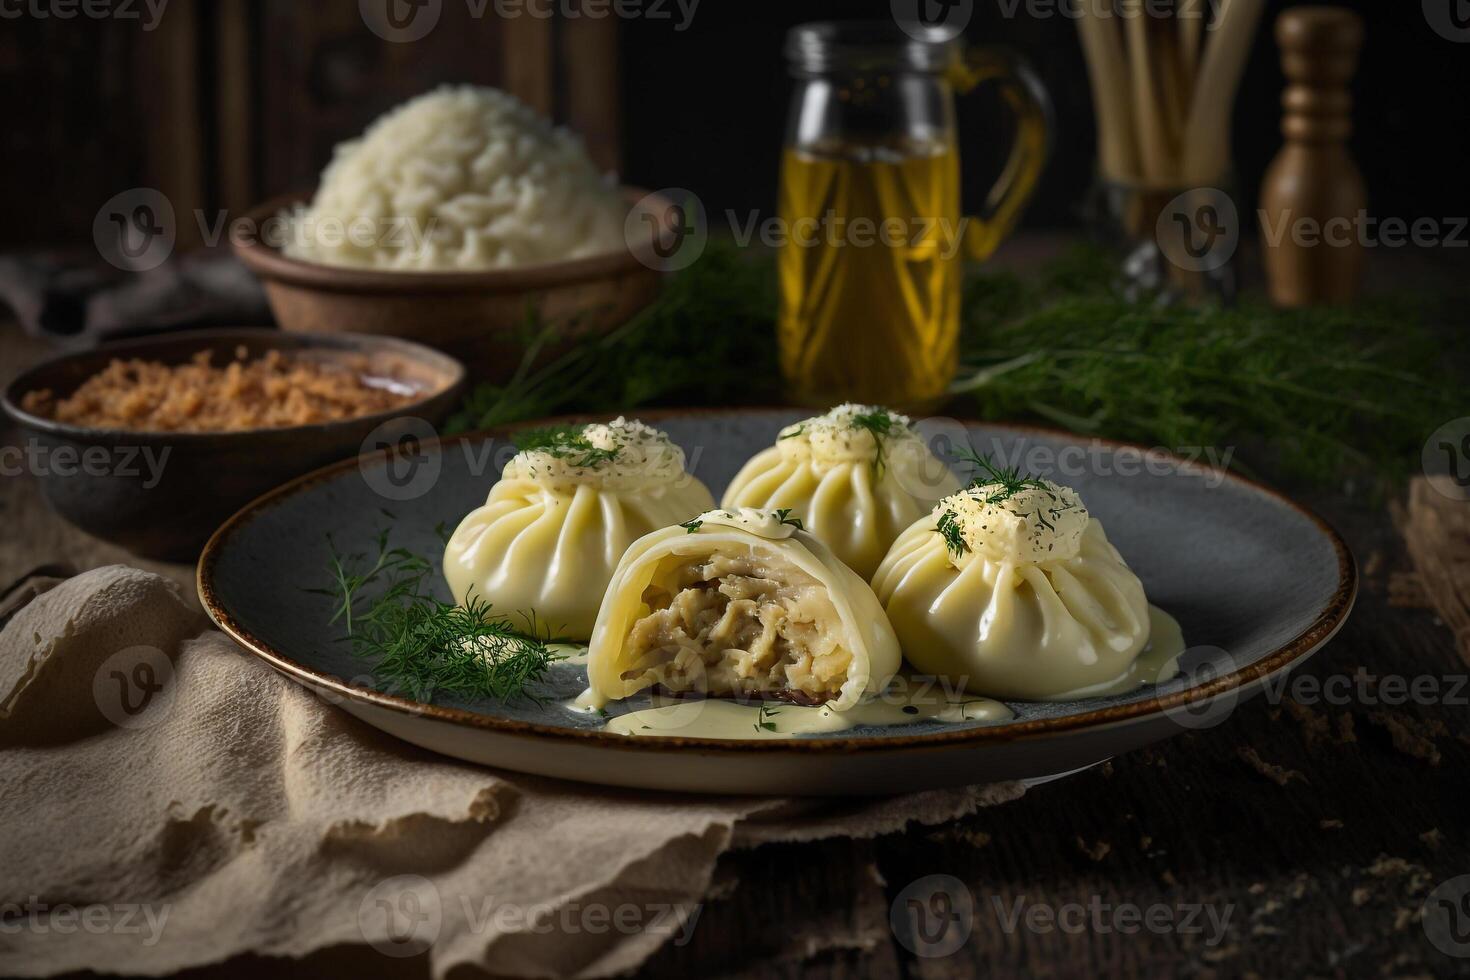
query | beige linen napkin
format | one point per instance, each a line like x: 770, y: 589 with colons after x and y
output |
x: 167, y: 802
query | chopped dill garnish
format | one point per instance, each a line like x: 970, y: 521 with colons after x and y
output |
x: 953, y: 532
x: 564, y: 442
x: 692, y: 526
x: 762, y: 717
x: 1000, y: 484
x: 420, y: 645
x: 783, y: 516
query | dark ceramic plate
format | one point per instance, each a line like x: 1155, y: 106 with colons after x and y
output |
x: 161, y: 494
x: 1257, y: 582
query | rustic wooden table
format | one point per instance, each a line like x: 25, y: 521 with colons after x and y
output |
x: 1301, y: 837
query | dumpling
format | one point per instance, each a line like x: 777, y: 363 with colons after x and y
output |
x: 565, y: 509
x: 741, y: 604
x: 1012, y: 590
x: 856, y: 476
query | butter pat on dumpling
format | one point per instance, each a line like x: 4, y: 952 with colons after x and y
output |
x: 566, y: 507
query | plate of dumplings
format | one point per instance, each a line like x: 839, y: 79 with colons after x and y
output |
x: 773, y: 602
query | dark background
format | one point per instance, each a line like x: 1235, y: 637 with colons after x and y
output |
x: 228, y: 102
x: 706, y: 108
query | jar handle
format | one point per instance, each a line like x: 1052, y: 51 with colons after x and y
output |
x: 1021, y: 89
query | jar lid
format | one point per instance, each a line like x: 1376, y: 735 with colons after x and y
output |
x: 830, y: 46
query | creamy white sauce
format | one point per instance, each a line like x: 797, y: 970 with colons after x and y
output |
x: 1157, y: 662
x: 719, y: 718
x: 568, y: 653
x: 715, y: 718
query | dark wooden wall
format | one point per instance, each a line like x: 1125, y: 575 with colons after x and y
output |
x: 223, y: 103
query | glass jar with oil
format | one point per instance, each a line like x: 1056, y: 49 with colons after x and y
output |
x: 870, y: 270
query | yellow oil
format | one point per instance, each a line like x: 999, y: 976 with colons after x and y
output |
x: 864, y: 317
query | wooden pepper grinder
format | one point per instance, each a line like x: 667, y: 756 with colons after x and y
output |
x: 1313, y: 194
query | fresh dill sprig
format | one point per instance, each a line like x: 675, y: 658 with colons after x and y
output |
x: 953, y: 532
x: 421, y: 645
x: 881, y: 423
x: 567, y: 442
x: 783, y: 516
x: 1005, y: 481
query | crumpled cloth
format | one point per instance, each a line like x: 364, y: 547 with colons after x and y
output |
x: 168, y: 801
x: 80, y: 301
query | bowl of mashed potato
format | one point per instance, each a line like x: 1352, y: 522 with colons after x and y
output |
x: 462, y: 219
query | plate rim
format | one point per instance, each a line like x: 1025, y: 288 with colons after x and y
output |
x: 1323, y: 628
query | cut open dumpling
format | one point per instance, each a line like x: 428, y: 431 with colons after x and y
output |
x: 740, y: 604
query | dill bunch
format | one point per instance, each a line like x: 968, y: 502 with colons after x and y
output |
x: 420, y: 645
x: 1315, y: 395
x: 709, y: 338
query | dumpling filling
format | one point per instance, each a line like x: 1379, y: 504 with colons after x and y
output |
x: 742, y: 626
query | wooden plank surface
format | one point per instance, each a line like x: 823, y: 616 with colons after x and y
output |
x: 528, y: 44
x: 172, y: 137
x: 590, y: 73
x: 234, y: 119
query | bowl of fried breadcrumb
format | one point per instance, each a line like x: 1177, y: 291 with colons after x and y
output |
x: 152, y: 443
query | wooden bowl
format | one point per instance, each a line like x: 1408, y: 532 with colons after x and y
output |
x: 479, y: 317
x: 161, y: 494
